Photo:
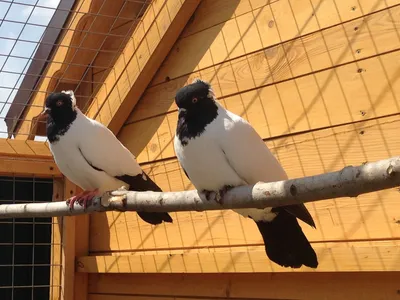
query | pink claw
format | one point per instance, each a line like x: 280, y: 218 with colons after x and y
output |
x: 82, y: 198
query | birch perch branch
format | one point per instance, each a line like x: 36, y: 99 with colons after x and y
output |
x: 348, y: 182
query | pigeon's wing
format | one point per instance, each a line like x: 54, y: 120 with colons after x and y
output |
x: 103, y: 151
x: 178, y: 152
x: 248, y: 155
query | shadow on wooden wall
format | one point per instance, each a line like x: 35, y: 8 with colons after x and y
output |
x: 191, y: 60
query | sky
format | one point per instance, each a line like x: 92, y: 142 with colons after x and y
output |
x: 12, y: 31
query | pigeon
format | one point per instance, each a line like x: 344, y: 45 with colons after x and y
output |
x: 91, y: 156
x: 218, y: 150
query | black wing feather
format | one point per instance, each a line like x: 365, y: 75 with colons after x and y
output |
x: 299, y: 211
x: 138, y: 183
x: 142, y: 183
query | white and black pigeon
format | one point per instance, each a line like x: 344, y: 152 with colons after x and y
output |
x: 219, y: 150
x: 91, y: 156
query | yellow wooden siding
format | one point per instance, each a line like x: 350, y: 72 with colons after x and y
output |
x: 317, y: 80
x: 332, y: 257
x: 370, y: 216
x: 310, y: 286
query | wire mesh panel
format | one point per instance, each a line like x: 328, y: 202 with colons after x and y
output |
x: 25, y: 243
x: 54, y: 45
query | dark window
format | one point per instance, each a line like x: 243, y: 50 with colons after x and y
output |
x: 25, y: 243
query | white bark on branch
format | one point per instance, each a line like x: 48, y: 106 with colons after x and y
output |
x: 348, y: 182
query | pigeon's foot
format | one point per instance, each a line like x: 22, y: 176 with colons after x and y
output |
x: 71, y: 201
x: 221, y: 193
x: 83, y: 198
x: 207, y: 194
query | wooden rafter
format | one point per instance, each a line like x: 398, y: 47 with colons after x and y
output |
x: 24, y: 129
x: 150, y: 43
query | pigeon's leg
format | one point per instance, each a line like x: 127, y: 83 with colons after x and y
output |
x: 82, y: 198
x: 221, y: 193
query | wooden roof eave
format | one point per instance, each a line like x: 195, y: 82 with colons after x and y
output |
x: 36, y: 69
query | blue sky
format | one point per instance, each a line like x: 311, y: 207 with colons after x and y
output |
x: 11, y: 28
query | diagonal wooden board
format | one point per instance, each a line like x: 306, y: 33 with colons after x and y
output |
x: 140, y: 60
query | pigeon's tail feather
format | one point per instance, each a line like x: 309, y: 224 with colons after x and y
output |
x: 141, y: 183
x: 285, y: 242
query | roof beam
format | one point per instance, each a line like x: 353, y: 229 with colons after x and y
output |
x: 147, y: 48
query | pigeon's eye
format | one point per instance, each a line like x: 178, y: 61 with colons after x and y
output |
x: 59, y: 103
x: 194, y: 100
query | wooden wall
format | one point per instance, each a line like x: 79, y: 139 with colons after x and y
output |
x: 319, y: 81
x: 325, y: 286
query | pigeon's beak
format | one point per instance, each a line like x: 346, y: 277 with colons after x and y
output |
x: 182, y: 109
x: 45, y: 112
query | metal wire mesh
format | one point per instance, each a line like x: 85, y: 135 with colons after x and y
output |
x: 31, y: 34
x: 25, y: 243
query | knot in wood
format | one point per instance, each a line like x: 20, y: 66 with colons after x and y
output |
x: 293, y: 190
x: 271, y: 24
x: 390, y: 171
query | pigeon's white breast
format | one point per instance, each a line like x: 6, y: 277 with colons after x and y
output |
x: 229, y: 152
x: 73, y: 165
x: 206, y: 164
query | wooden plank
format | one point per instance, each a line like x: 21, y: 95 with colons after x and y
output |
x: 310, y: 286
x: 56, y: 231
x: 331, y: 47
x: 27, y: 158
x: 68, y: 248
x: 74, y: 242
x: 339, y: 257
x: 328, y: 98
x: 370, y: 216
x: 302, y: 56
x: 140, y: 60
x: 81, y: 248
x: 110, y: 297
x: 28, y: 167
x: 24, y: 148
x: 261, y: 28
x: 211, y: 13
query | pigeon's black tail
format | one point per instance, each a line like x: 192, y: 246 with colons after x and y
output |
x: 142, y: 183
x: 285, y: 242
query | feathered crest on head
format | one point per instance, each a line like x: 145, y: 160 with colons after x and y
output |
x: 211, y: 93
x: 72, y: 95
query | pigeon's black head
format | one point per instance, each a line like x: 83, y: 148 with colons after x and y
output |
x: 197, y: 109
x: 61, y: 111
x: 59, y: 105
x: 195, y: 97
